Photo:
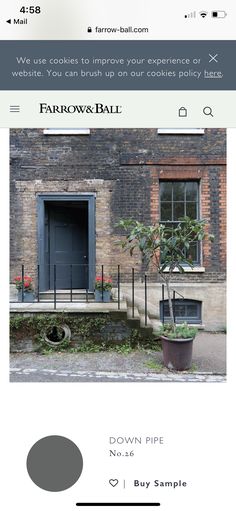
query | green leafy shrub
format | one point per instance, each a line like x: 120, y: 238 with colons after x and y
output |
x: 89, y: 334
x: 164, y: 246
x: 183, y: 331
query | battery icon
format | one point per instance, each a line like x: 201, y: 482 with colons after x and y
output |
x: 218, y: 14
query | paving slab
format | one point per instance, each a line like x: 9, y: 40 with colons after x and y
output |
x: 209, y: 352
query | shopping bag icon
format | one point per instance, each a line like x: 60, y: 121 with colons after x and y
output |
x: 183, y: 112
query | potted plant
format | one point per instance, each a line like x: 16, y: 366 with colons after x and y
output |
x: 167, y: 248
x: 177, y: 345
x: 24, y: 287
x: 103, y: 289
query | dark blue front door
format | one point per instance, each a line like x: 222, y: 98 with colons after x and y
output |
x: 68, y: 245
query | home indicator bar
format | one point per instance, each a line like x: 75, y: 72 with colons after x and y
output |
x: 130, y: 504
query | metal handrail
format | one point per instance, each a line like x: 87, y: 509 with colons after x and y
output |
x: 116, y: 270
x: 174, y: 290
x: 173, y: 300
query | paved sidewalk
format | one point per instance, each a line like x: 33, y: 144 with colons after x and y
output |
x: 208, y: 365
x: 209, y: 352
x: 47, y: 375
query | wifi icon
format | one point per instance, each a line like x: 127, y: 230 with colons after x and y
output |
x: 203, y: 14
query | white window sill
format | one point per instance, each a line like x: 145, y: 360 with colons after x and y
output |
x: 76, y: 131
x: 196, y: 269
x: 181, y: 131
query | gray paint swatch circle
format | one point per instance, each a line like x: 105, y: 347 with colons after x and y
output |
x: 54, y: 463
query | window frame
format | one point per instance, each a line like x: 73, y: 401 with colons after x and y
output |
x: 191, y: 320
x: 197, y: 262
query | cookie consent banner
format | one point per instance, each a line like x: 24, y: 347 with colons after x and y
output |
x: 123, y: 65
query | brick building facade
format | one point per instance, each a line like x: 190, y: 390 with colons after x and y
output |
x: 109, y: 174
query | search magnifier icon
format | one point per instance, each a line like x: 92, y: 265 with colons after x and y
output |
x: 207, y: 110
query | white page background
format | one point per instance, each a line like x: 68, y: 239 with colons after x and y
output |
x: 195, y: 419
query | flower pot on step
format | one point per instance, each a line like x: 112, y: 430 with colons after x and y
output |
x: 28, y: 297
x: 106, y: 297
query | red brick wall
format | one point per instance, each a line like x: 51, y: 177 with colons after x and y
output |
x: 214, y: 213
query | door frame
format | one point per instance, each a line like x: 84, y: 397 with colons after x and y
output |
x: 90, y: 198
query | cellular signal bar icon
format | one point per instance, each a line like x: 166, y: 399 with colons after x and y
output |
x: 191, y: 15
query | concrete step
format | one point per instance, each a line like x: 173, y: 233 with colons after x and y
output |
x: 130, y: 314
x: 64, y: 295
x: 133, y: 323
x: 140, y: 305
x: 138, y: 319
x: 146, y: 331
x: 142, y: 321
x: 156, y: 324
x: 153, y: 321
x: 82, y: 307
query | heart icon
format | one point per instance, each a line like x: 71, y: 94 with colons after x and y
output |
x: 113, y: 482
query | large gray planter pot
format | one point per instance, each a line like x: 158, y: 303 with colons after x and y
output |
x: 177, y: 353
x: 28, y: 297
x: 106, y: 296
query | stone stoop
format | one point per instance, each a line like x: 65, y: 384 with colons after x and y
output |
x: 153, y: 320
x: 79, y: 305
x: 64, y: 295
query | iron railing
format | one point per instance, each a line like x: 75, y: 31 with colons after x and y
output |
x: 174, y: 293
x: 133, y: 277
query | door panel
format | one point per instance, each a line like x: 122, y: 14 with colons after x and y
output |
x: 68, y: 240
